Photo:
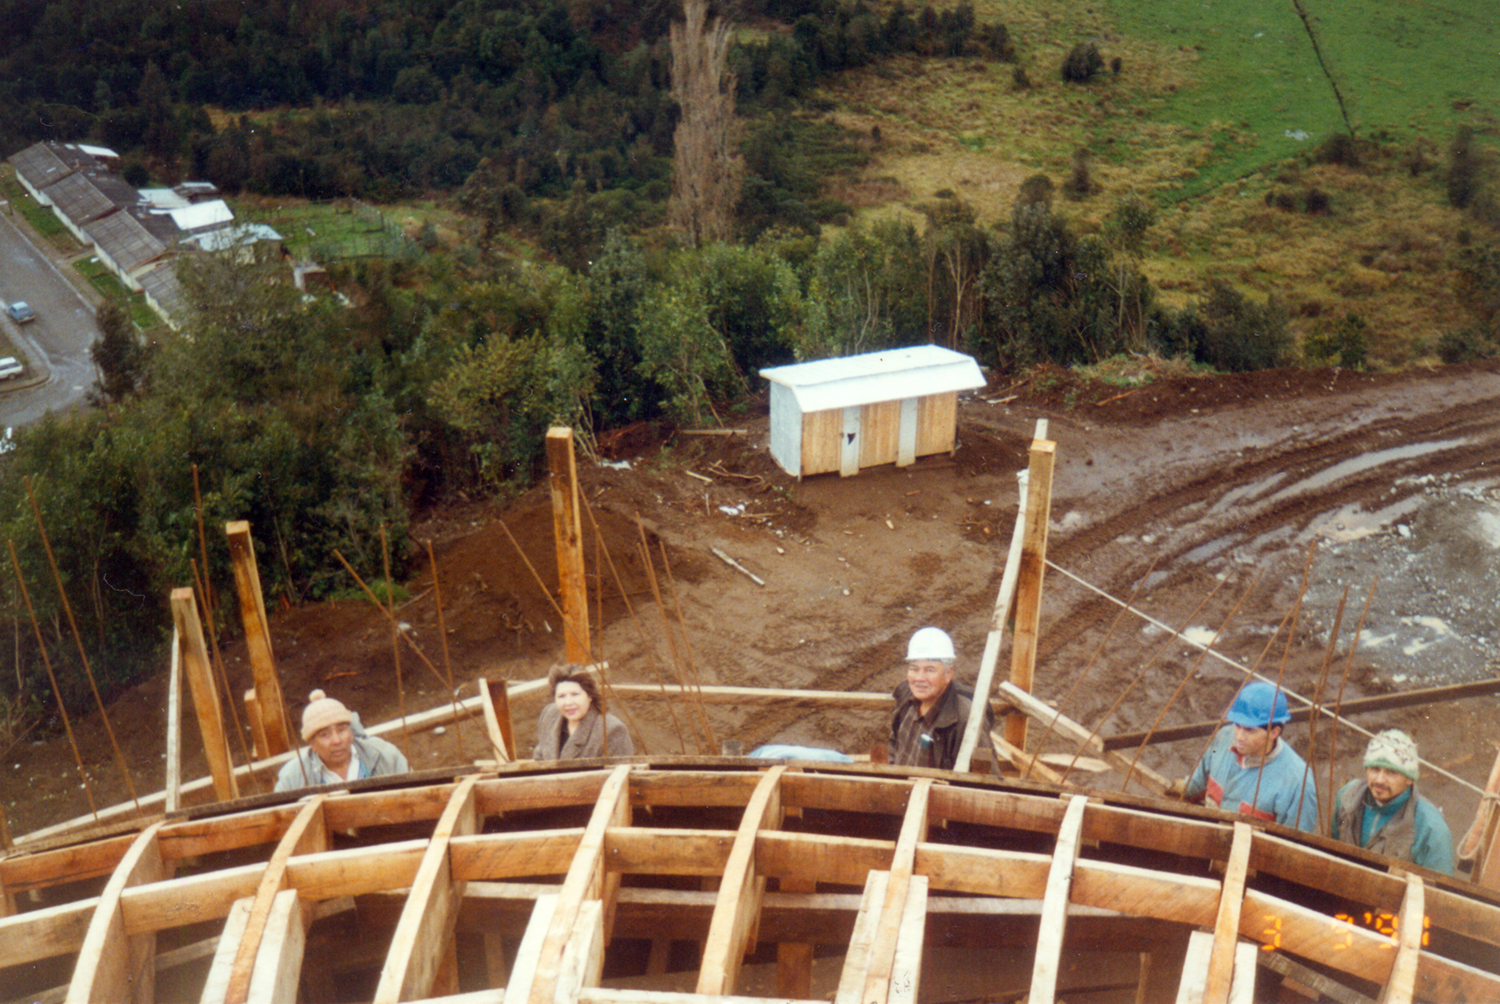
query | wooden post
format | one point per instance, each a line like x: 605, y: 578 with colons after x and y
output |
x: 173, y: 785
x: 205, y: 694
x: 567, y: 530
x: 496, y: 704
x: 257, y: 642
x: 1029, y: 582
x: 794, y: 960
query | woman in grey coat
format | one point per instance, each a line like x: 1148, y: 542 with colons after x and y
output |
x: 575, y: 726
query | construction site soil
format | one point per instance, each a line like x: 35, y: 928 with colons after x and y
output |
x: 1204, y: 502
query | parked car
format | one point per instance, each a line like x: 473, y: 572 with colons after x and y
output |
x: 10, y: 367
x: 21, y: 312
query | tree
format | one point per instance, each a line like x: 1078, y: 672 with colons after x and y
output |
x: 706, y: 171
x: 953, y: 241
x: 118, y: 354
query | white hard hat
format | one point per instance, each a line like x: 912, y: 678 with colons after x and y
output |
x: 930, y: 643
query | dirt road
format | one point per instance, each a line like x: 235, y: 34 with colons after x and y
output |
x: 1203, y: 501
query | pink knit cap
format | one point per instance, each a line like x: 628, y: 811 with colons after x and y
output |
x: 321, y: 712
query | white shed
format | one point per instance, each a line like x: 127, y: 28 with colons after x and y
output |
x: 866, y: 410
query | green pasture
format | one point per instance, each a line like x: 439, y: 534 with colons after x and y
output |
x: 331, y: 231
x: 1404, y: 70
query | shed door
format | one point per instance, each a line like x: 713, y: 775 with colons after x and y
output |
x: 879, y: 428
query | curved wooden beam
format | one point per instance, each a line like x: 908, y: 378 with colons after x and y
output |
x: 113, y: 966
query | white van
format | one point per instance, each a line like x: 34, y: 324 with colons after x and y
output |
x: 11, y: 367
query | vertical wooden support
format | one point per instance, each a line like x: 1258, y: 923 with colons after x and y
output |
x: 497, y: 724
x: 567, y: 530
x: 793, y: 959
x: 588, y: 878
x: 881, y: 972
x: 173, y: 785
x: 731, y: 931
x: 1029, y: 580
x: 424, y: 934
x: 1054, y: 919
x: 278, y: 964
x: 1227, y: 927
x: 306, y: 834
x: 257, y: 640
x: 115, y: 967
x: 205, y: 693
x: 862, y: 939
x: 1401, y: 985
x: 258, y: 742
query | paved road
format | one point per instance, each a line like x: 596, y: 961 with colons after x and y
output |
x: 56, y: 344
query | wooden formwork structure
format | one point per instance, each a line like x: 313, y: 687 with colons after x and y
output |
x: 690, y: 881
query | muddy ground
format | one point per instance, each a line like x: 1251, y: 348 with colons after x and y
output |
x: 1204, y: 501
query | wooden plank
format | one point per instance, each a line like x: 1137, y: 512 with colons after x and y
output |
x: 567, y: 534
x: 356, y: 871
x: 307, y: 834
x: 880, y: 429
x: 853, y: 976
x: 609, y: 995
x: 258, y: 638
x: 699, y: 789
x: 1049, y: 939
x: 822, y: 441
x: 1226, y: 935
x: 583, y: 959
x: 587, y: 878
x: 840, y: 860
x: 493, y: 856
x: 1402, y: 982
x: 278, y: 965
x: 424, y: 935
x: 499, y: 746
x: 1140, y: 892
x: 191, y: 899
x: 849, y: 443
x: 113, y: 966
x: 882, y: 703
x: 794, y: 959
x: 879, y: 973
x: 1060, y: 723
x: 40, y: 934
x: 906, y: 436
x: 191, y: 838
x: 1242, y: 987
x: 1440, y: 979
x: 172, y: 785
x: 634, y: 850
x: 983, y: 871
x: 543, y: 791
x: 848, y: 793
x: 1194, y: 982
x: 906, y: 968
x: 221, y: 969
x: 205, y: 693
x: 523, y: 972
x: 1022, y: 762
x: 1043, y: 455
x: 937, y: 423
x: 1282, y: 925
x: 730, y: 932
x: 24, y: 872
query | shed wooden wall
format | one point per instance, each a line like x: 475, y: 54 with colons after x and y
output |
x: 879, y: 433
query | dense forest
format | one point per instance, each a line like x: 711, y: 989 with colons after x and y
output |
x: 327, y: 423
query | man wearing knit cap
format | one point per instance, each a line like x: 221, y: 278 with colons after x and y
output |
x: 338, y: 748
x: 1383, y: 813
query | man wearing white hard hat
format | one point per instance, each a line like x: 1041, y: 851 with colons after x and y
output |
x: 1383, y: 812
x: 338, y: 748
x: 931, y: 710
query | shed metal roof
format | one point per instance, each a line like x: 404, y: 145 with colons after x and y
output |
x: 42, y: 164
x: 202, y: 215
x: 889, y: 375
x: 161, y: 284
x: 88, y: 195
x: 125, y: 239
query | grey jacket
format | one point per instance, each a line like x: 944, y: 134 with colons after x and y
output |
x: 376, y: 757
x: 591, y: 739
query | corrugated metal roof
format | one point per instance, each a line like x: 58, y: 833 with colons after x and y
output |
x: 890, y: 375
x: 100, y: 152
x: 87, y: 195
x: 229, y: 237
x: 162, y: 286
x: 163, y: 198
x: 40, y: 165
x: 126, y: 240
x: 202, y: 215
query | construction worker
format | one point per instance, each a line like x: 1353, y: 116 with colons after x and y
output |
x: 1250, y: 769
x: 338, y: 748
x: 1383, y: 812
x: 932, y: 711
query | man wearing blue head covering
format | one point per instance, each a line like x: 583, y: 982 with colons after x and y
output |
x: 1249, y: 768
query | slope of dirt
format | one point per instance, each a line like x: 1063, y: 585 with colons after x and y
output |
x: 1206, y: 502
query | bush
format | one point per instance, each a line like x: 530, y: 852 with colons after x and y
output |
x: 1344, y: 344
x: 1228, y: 332
x: 1340, y: 148
x: 1315, y: 202
x: 1468, y: 344
x: 1080, y: 183
x: 1464, y: 179
x: 1082, y: 63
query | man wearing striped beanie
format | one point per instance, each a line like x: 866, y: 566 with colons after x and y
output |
x: 1383, y: 813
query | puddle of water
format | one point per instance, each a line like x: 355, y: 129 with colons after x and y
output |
x: 1352, y: 522
x: 1364, y: 462
x: 1369, y: 639
x: 1489, y: 528
x: 1244, y: 493
x: 1198, y: 635
x: 1205, y: 551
